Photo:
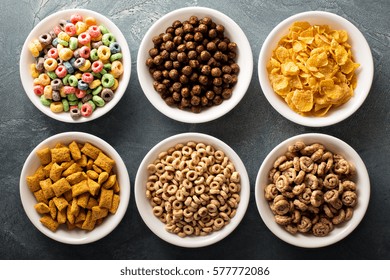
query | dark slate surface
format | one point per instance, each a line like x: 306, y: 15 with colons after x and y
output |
x: 253, y: 128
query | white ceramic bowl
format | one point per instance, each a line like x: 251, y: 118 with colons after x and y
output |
x: 158, y: 227
x: 244, y: 60
x: 75, y: 236
x: 46, y: 25
x: 340, y: 231
x: 361, y: 52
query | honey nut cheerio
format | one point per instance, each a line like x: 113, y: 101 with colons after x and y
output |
x: 75, y: 185
x: 193, y: 188
x: 311, y: 189
x: 312, y: 69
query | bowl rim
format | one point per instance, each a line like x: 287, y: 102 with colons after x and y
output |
x: 342, y: 230
x: 65, y: 236
x: 144, y: 207
x: 26, y: 57
x: 360, y: 93
x: 239, y: 90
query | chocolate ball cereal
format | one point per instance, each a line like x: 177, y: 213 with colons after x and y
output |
x: 198, y: 61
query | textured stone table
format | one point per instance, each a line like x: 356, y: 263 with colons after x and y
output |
x: 253, y: 128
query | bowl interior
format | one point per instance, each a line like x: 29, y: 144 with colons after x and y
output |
x: 244, y: 60
x: 158, y: 227
x: 361, y: 179
x: 75, y: 236
x: 26, y: 59
x: 361, y: 53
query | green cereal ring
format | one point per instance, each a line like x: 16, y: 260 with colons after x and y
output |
x: 65, y: 103
x: 72, y: 97
x: 116, y: 57
x: 108, y: 80
x: 107, y: 66
x: 72, y: 80
x: 97, y: 75
x: 52, y: 75
x: 74, y: 102
x: 108, y: 38
x: 62, y: 42
x: 104, y: 71
x: 93, y: 54
x: 92, y: 104
x: 97, y: 90
x: 103, y: 29
x: 98, y: 101
x: 73, y: 43
x: 65, y: 80
x: 45, y: 101
x: 80, y: 104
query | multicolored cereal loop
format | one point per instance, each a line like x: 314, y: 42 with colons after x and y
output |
x: 77, y: 66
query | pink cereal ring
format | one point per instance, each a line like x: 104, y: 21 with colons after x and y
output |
x: 38, y: 90
x: 57, y: 29
x: 70, y: 29
x: 94, y: 31
x: 75, y: 18
x: 86, y: 110
x: 61, y: 71
x: 87, y: 77
x: 69, y: 89
x: 73, y: 107
x: 84, y: 38
x: 97, y: 66
x: 53, y: 53
x: 81, y: 93
x: 84, y: 52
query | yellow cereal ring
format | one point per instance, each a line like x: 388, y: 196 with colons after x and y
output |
x: 43, y: 80
x: 116, y: 69
x: 86, y: 66
x: 56, y: 107
x: 48, y: 92
x: 78, y: 75
x: 115, y: 86
x: 94, y: 84
x: 65, y: 54
x: 38, y: 44
x: 33, y: 70
x: 63, y: 36
x: 33, y: 49
x: 80, y: 27
x: 104, y: 53
x: 50, y: 64
x: 90, y: 21
x: 62, y: 92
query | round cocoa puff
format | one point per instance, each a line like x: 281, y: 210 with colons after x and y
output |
x: 193, y: 64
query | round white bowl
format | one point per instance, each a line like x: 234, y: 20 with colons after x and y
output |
x: 244, y: 60
x: 45, y: 26
x: 361, y: 53
x: 75, y: 236
x: 340, y: 231
x: 158, y: 227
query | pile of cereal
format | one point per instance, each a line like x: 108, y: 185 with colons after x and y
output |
x: 77, y: 68
x: 311, y: 189
x: 194, y: 189
x: 75, y: 185
x: 193, y: 64
x: 312, y: 69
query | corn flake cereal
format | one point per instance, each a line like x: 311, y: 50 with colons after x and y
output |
x: 312, y: 69
x: 75, y: 185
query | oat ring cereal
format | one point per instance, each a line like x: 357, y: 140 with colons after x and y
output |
x: 193, y: 188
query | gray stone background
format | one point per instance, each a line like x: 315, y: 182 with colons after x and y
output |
x: 253, y: 128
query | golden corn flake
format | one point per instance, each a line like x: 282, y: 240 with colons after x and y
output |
x: 312, y: 68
